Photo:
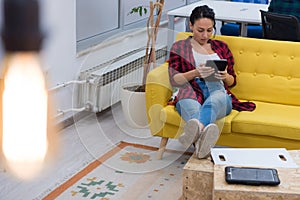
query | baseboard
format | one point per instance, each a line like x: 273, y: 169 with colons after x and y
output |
x: 72, y: 120
x: 80, y: 115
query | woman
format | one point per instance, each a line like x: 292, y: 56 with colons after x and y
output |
x: 199, y: 101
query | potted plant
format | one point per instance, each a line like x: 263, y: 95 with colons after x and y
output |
x: 133, y: 96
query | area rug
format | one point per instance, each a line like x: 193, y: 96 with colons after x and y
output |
x: 128, y: 171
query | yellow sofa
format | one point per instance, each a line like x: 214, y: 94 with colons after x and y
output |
x: 268, y: 74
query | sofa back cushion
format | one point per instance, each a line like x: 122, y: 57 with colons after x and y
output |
x: 267, y: 70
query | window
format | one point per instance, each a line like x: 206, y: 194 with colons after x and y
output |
x: 97, y: 20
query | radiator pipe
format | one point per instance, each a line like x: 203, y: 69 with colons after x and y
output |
x: 67, y: 83
x: 62, y: 112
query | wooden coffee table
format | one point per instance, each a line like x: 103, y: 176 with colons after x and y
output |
x: 204, y: 180
x: 198, y: 179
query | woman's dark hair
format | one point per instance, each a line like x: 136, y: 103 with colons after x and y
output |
x: 203, y: 12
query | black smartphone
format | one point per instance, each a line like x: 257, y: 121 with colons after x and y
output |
x: 219, y: 65
x: 251, y: 176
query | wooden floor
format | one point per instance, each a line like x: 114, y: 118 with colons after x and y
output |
x: 80, y: 143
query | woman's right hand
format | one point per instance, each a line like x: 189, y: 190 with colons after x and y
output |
x: 204, y: 71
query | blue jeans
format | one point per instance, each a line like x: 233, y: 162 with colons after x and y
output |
x: 217, y: 104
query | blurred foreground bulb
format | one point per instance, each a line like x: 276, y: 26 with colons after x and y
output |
x: 24, y: 114
x: 24, y: 95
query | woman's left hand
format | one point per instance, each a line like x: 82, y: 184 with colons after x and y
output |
x: 221, y: 75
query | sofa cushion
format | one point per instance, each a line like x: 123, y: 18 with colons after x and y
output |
x: 269, y: 119
x: 169, y: 115
x: 225, y: 123
x: 266, y: 71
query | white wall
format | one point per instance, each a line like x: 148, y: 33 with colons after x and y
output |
x: 59, y: 50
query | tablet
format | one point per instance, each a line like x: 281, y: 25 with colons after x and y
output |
x: 219, y: 65
x: 251, y: 176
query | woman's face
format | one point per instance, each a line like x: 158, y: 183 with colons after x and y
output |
x: 202, y: 30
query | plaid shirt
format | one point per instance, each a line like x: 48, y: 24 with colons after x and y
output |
x: 182, y: 60
x: 288, y: 7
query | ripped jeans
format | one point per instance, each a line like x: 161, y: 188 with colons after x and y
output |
x: 217, y: 104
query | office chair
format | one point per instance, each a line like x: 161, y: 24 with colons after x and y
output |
x: 280, y: 26
x: 234, y: 29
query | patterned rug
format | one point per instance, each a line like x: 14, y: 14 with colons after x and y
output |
x: 128, y: 171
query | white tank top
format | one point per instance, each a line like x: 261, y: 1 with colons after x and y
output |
x: 202, y: 58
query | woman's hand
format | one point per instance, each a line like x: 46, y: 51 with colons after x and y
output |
x: 221, y: 75
x: 204, y: 71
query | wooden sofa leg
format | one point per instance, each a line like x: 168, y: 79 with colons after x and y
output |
x: 162, y: 147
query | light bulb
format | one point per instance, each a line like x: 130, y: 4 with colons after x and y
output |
x: 24, y: 136
x: 24, y: 95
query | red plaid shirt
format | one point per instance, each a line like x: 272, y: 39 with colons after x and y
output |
x: 182, y: 60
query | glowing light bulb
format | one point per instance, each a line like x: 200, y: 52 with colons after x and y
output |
x: 24, y: 137
x: 25, y: 125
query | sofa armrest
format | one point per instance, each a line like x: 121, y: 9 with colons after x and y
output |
x: 158, y: 93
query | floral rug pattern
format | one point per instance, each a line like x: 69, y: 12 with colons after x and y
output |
x: 133, y: 172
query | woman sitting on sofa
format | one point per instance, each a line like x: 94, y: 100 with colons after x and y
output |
x: 200, y: 101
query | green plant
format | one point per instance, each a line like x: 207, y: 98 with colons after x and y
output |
x: 139, y: 10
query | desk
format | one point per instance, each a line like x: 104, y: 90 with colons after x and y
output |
x: 228, y: 11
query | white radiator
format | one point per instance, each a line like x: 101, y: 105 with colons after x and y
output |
x: 102, y: 89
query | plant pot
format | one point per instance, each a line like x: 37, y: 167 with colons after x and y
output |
x: 134, y: 106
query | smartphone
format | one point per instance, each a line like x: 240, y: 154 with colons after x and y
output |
x: 251, y: 176
x: 219, y: 65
